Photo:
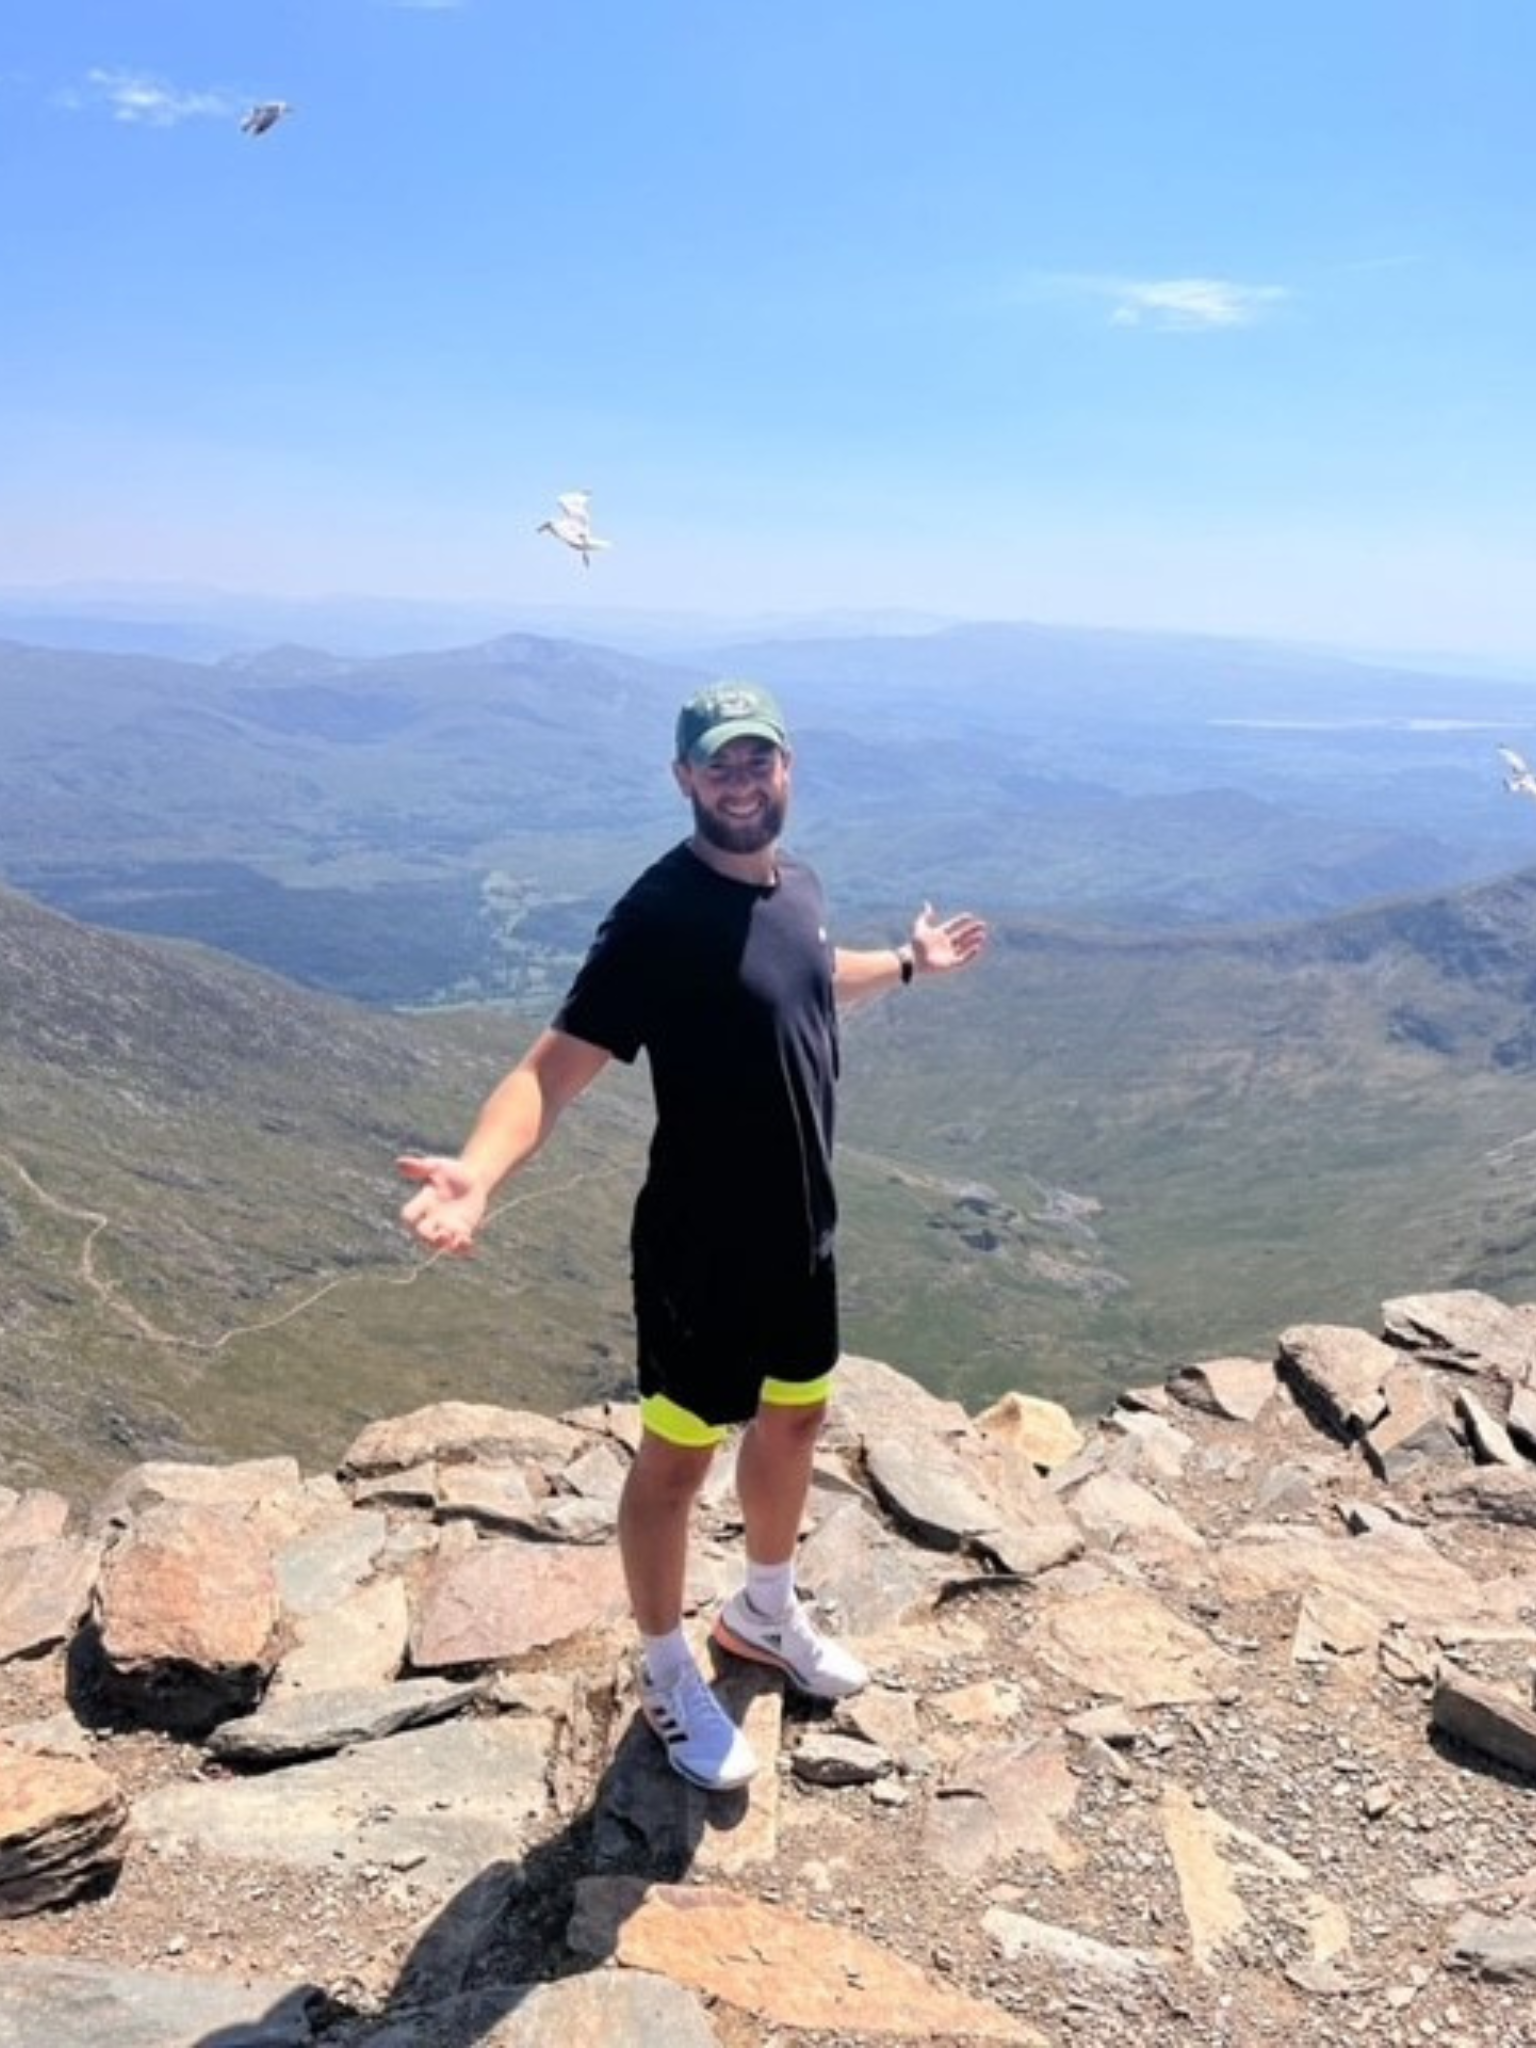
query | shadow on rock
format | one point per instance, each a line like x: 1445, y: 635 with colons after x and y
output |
x: 500, y: 1945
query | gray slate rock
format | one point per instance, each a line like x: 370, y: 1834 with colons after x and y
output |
x: 1495, y: 1493
x: 931, y: 1492
x: 634, y: 2008
x: 446, y: 1800
x: 1504, y: 1950
x: 1485, y: 1719
x: 1021, y: 1935
x: 45, y: 1592
x: 838, y: 1760
x: 1335, y: 1374
x: 1465, y: 1331
x: 48, y: 2002
x: 319, y: 1723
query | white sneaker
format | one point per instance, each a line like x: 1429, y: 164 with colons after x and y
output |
x: 812, y: 1662
x: 702, y: 1742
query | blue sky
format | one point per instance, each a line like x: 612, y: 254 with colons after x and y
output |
x: 1203, y: 316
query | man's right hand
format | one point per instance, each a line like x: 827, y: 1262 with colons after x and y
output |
x: 449, y: 1205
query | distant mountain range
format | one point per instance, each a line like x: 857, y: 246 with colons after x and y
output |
x: 193, y: 623
x: 447, y: 825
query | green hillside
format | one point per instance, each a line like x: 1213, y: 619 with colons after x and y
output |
x: 1097, y: 1156
x: 1284, y: 1126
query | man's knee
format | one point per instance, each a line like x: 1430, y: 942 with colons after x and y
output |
x: 663, y: 1470
x: 786, y: 1430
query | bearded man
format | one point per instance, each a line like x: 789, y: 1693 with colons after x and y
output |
x: 718, y: 965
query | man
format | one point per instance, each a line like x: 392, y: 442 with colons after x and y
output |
x: 717, y: 963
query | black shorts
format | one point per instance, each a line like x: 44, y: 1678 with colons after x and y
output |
x: 711, y: 1331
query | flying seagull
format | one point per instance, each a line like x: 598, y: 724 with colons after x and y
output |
x: 573, y: 525
x: 264, y: 115
x: 1519, y: 778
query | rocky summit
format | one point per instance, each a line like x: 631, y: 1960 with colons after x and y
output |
x: 1211, y: 1722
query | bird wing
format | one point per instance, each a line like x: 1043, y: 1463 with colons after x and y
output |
x: 1515, y: 761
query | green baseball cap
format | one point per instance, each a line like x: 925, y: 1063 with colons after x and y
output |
x: 729, y: 710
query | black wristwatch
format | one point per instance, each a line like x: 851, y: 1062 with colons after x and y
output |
x: 907, y: 961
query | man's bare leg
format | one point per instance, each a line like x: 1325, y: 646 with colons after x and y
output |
x: 765, y: 1621
x: 773, y: 1478
x: 655, y: 1510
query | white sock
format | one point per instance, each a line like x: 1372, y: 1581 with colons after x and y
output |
x: 666, y: 1657
x: 771, y: 1587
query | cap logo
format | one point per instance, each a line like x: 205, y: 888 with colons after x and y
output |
x: 736, y: 704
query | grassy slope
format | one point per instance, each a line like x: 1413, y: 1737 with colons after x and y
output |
x: 1283, y: 1128
x: 1093, y: 1157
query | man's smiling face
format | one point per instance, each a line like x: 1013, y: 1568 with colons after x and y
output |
x: 740, y: 795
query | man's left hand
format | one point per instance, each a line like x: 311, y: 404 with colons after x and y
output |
x: 942, y: 945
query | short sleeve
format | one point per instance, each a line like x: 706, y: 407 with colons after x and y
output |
x: 605, y: 1004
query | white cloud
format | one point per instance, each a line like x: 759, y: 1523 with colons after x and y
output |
x: 1190, y: 302
x: 135, y: 97
x: 1186, y: 305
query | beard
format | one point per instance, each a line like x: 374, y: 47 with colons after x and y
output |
x: 740, y: 835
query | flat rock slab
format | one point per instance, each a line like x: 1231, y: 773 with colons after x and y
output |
x: 1021, y: 1935
x: 1013, y: 1799
x: 1504, y: 1950
x: 248, y: 1483
x: 1124, y: 1644
x: 359, y: 1641
x: 1393, y: 1571
x: 788, y: 1970
x: 459, y: 1796
x: 318, y: 1723
x: 1493, y: 1493
x: 34, y: 1517
x: 628, y: 2007
x: 1466, y: 1331
x: 459, y: 1432
x: 1112, y: 1506
x: 858, y: 1570
x: 506, y: 1597
x: 46, y: 2002
x: 45, y: 1591
x: 872, y: 1401
x: 323, y: 1566
x: 932, y: 1490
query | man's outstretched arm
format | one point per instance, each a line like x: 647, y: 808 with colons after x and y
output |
x: 936, y: 946
x: 514, y: 1121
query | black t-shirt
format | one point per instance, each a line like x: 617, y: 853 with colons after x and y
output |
x: 727, y: 986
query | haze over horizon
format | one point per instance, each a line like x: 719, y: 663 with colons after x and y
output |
x: 1179, y: 323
